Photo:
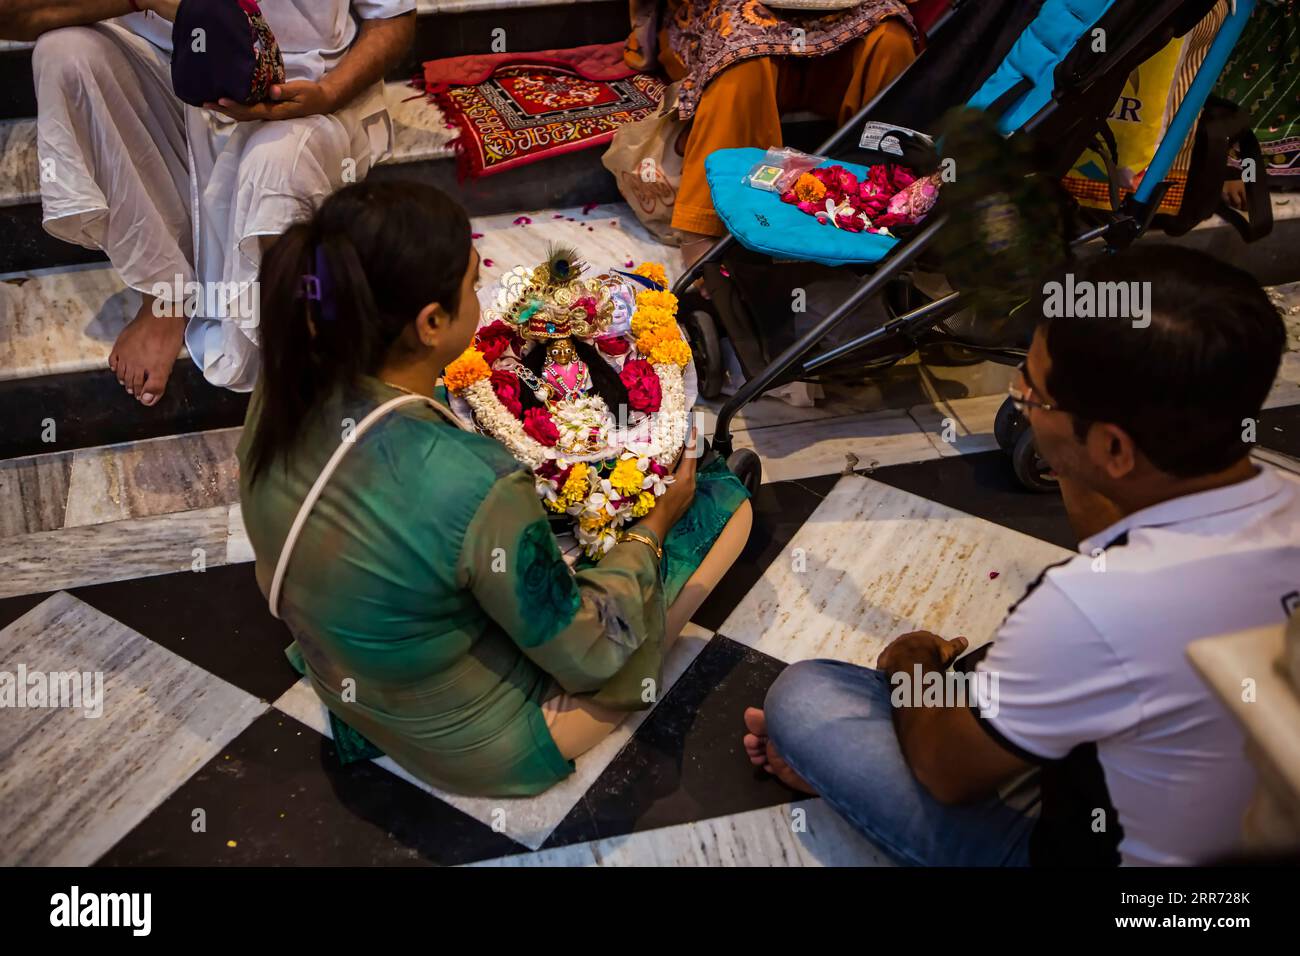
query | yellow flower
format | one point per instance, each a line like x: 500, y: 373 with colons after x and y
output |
x: 575, y: 486
x: 658, y: 300
x: 650, y: 318
x: 675, y: 352
x: 627, y: 477
x: 466, y: 370
x: 654, y: 272
x: 592, y: 523
x: 647, y: 342
x: 644, y: 502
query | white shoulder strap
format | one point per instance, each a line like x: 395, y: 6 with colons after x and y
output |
x: 286, y: 552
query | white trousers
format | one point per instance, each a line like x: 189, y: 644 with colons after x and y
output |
x: 176, y: 195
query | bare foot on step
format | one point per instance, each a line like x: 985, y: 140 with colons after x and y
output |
x: 146, y: 350
x: 762, y: 754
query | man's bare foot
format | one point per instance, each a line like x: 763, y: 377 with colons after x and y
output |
x: 762, y: 754
x: 146, y: 350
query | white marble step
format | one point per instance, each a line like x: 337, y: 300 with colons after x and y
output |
x: 420, y: 133
x: 66, y: 319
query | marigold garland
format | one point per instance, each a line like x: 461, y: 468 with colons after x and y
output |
x: 671, y: 351
x: 471, y: 367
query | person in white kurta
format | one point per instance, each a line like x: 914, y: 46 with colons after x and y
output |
x: 182, y: 199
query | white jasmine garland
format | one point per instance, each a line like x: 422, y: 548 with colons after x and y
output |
x: 670, y: 421
x: 495, y: 419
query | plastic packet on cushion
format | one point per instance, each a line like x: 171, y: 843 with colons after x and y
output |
x: 780, y: 168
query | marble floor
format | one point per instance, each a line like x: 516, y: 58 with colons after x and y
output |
x: 883, y: 510
x: 203, y: 715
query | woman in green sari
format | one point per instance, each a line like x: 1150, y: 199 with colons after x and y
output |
x: 432, y: 610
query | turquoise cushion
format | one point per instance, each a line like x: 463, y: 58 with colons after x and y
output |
x: 1034, y: 57
x: 760, y: 221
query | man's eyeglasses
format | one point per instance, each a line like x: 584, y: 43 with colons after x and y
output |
x: 1020, y: 396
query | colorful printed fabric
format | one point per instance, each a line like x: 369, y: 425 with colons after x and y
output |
x: 1263, y: 78
x: 525, y: 112
x: 710, y: 35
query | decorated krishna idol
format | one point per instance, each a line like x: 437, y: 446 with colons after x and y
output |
x: 584, y: 379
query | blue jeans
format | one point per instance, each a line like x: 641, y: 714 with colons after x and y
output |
x: 831, y: 723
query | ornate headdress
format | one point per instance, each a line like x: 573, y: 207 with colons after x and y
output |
x: 553, y: 301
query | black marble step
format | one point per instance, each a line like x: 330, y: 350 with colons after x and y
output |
x: 89, y: 409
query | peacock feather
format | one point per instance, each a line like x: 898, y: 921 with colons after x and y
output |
x: 563, y: 264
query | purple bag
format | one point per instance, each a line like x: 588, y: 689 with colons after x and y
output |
x: 223, y: 49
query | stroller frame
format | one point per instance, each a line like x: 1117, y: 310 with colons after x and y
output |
x: 1126, y: 225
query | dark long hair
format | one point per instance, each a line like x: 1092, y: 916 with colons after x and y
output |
x: 388, y: 249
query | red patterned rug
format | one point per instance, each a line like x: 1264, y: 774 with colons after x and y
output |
x: 526, y: 111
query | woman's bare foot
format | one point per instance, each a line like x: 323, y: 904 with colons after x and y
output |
x: 763, y: 754
x: 146, y: 350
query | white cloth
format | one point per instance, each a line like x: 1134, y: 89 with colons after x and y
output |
x: 174, y: 194
x: 1096, y: 655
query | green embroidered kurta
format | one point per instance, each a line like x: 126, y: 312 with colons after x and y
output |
x: 431, y: 607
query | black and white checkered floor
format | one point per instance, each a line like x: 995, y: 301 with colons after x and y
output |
x: 210, y: 751
x: 130, y: 560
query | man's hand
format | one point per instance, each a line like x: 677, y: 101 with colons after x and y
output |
x: 380, y: 44
x: 288, y: 101
x: 163, y: 8
x: 920, y: 647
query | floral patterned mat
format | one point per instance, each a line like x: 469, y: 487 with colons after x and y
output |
x: 526, y: 112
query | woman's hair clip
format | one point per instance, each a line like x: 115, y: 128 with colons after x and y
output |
x: 318, y: 286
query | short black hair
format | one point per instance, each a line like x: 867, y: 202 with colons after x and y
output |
x: 1183, y: 386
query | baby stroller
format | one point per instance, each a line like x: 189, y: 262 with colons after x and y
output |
x: 1035, y: 68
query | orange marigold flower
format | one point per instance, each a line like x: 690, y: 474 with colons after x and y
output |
x: 466, y: 370
x: 809, y: 188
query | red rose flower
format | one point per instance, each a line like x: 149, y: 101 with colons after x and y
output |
x: 506, y: 385
x: 612, y: 344
x: 643, y: 392
x: 539, y: 427
x: 494, y: 339
x: 849, y: 221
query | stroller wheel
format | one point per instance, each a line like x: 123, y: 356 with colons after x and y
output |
x: 1031, y: 470
x: 746, y: 466
x: 707, y: 349
x: 1007, y: 426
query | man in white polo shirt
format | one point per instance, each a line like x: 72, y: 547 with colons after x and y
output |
x: 1148, y: 420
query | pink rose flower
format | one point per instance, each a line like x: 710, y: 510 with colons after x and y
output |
x: 539, y: 427
x: 643, y: 391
